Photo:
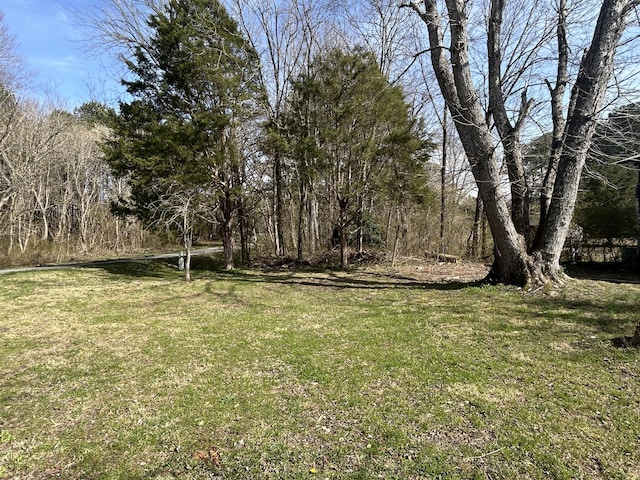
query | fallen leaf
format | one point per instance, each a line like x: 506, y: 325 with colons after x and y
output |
x: 210, y: 456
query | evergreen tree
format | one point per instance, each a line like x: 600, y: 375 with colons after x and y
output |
x: 176, y: 139
x: 94, y: 113
x: 607, y: 203
x: 347, y: 128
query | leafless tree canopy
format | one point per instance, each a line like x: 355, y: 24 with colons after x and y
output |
x: 55, y: 187
x: 503, y: 70
x: 14, y: 74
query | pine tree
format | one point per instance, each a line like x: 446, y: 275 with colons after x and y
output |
x: 348, y: 125
x: 175, y: 139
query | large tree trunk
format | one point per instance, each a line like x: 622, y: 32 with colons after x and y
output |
x: 513, y: 264
x: 559, y: 122
x: 586, y: 100
x: 443, y: 181
x: 313, y: 227
x: 342, y: 230
x: 400, y: 233
x: 227, y: 231
x: 301, y: 225
x: 637, y: 266
x: 360, y: 225
x: 239, y: 178
x: 473, y: 247
x: 509, y: 132
x: 244, y: 235
x: 227, y: 247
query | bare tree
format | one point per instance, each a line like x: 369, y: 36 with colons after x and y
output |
x: 286, y: 34
x: 14, y: 74
x: 53, y: 182
x: 11, y: 77
x: 28, y: 172
x: 382, y: 28
x: 179, y: 209
x: 117, y: 26
x: 450, y: 47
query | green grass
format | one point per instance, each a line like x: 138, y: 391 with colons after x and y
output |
x: 126, y: 372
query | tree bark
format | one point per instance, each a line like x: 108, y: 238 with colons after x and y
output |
x: 400, y: 233
x: 360, y: 225
x: 586, y: 99
x: 314, y: 230
x: 301, y: 225
x: 244, y: 234
x: 342, y: 230
x: 509, y: 132
x: 513, y: 264
x: 474, y: 240
x: 226, y: 226
x: 227, y: 246
x: 279, y: 205
x: 238, y: 166
x: 443, y: 179
x: 557, y: 100
x: 188, y: 243
x: 637, y: 266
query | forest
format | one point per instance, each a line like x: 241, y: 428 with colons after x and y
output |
x: 308, y: 129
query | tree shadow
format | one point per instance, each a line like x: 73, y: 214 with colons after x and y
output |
x: 603, y: 272
x: 129, y: 268
x: 613, y: 316
x: 560, y: 314
x: 341, y: 279
x: 625, y: 342
x: 209, y: 267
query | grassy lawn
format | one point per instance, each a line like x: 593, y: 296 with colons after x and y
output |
x: 126, y: 372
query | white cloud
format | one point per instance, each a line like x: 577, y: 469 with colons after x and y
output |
x: 65, y: 63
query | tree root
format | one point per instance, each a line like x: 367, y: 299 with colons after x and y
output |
x: 530, y: 272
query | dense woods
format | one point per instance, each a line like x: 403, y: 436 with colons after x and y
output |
x: 304, y: 129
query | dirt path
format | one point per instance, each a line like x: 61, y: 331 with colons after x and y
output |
x: 203, y: 251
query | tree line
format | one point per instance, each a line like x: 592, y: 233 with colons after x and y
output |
x: 298, y: 126
x: 494, y: 88
x: 344, y: 141
x: 55, y: 187
x: 205, y: 148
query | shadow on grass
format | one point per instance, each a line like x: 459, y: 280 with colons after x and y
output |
x: 614, y: 315
x: 310, y: 276
x: 603, y: 272
x: 329, y: 278
x: 625, y: 342
x: 153, y: 268
x: 610, y: 314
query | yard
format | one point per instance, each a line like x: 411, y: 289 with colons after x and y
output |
x: 127, y: 372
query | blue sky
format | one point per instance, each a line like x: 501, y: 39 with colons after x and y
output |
x: 50, y: 41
